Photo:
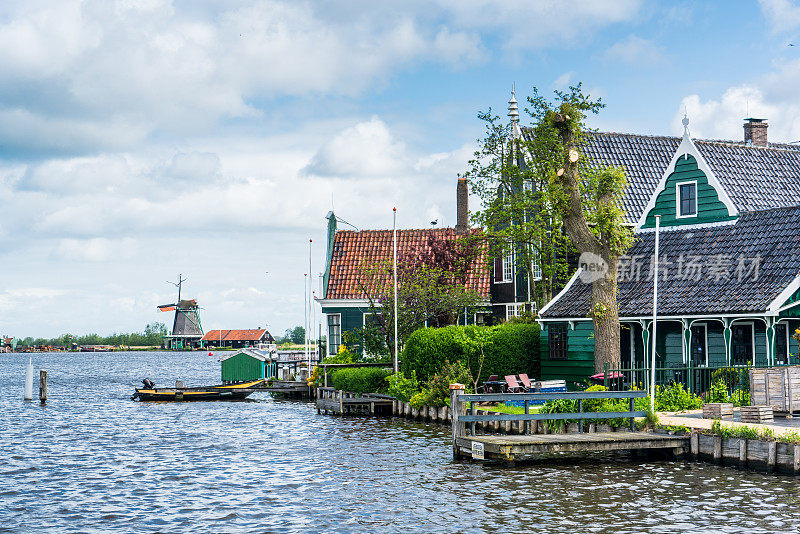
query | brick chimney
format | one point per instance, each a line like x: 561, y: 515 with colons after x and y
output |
x: 755, y: 132
x: 462, y: 206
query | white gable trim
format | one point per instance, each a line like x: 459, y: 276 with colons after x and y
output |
x: 685, y: 227
x: 688, y: 147
x: 783, y: 296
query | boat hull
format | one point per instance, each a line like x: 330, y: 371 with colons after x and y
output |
x: 220, y: 392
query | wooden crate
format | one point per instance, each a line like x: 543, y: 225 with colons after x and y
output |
x: 718, y: 410
x: 756, y: 414
x: 778, y: 387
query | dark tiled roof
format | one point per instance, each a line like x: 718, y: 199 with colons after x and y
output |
x: 772, y: 235
x: 353, y: 252
x: 756, y: 178
x: 237, y: 335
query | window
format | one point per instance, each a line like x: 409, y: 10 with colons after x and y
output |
x: 742, y: 344
x: 334, y: 332
x: 557, y: 338
x: 781, y: 356
x: 514, y: 310
x: 536, y: 270
x: 699, y: 348
x: 687, y: 199
x: 508, y: 267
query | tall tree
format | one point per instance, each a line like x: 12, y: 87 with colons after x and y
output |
x: 515, y: 210
x: 587, y: 198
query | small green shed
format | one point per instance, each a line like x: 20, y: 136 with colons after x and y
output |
x: 243, y: 366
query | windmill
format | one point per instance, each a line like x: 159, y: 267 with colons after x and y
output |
x: 186, y: 327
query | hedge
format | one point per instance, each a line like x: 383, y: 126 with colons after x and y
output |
x: 514, y: 349
x: 361, y: 379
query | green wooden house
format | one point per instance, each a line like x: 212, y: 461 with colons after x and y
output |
x: 246, y: 365
x: 729, y: 283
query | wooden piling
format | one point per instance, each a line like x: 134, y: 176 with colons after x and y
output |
x: 42, y: 386
x: 694, y: 442
x: 457, y: 408
x: 717, y: 449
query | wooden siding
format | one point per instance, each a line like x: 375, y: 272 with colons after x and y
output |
x: 709, y: 207
x: 242, y: 368
x: 579, y: 365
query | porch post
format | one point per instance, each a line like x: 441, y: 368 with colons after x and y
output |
x: 726, y: 335
x: 687, y: 351
x: 769, y: 332
x: 646, y: 347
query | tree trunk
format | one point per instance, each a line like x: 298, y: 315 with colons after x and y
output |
x: 606, y: 319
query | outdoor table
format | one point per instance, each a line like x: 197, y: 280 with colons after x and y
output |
x: 495, y: 386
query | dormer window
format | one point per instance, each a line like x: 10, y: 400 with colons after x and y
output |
x: 686, y: 196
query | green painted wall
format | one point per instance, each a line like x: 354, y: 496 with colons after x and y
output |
x: 241, y: 368
x: 709, y: 206
x: 579, y: 364
x: 716, y: 344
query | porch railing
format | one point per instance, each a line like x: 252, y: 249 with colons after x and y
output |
x: 696, y: 378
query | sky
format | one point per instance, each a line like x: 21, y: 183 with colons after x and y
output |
x: 140, y: 139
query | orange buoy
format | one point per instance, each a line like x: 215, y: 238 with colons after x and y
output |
x: 210, y: 353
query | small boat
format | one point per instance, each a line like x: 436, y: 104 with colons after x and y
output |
x: 202, y: 393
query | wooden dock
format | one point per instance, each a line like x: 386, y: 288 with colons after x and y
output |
x: 512, y: 448
x: 330, y: 400
x: 290, y: 388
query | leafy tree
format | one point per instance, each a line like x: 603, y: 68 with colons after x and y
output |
x: 297, y: 335
x: 516, y: 212
x: 431, y: 289
x: 586, y: 197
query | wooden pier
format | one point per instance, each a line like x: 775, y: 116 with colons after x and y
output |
x: 290, y: 388
x: 330, y: 400
x: 512, y: 448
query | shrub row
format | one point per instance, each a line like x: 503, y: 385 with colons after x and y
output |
x: 514, y: 348
x: 361, y: 379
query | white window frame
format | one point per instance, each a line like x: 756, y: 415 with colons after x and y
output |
x: 536, y: 270
x: 508, y: 261
x: 516, y: 307
x: 753, y: 343
x: 330, y: 337
x: 678, y: 214
x: 705, y: 340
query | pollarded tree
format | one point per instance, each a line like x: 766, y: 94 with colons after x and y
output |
x: 586, y: 197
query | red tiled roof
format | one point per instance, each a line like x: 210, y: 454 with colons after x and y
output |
x: 235, y: 335
x: 353, y: 251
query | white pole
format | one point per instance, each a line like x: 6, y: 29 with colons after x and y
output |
x: 310, y: 305
x: 394, y: 270
x: 29, y: 381
x: 305, y: 314
x: 655, y: 305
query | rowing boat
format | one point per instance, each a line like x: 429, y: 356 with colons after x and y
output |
x: 203, y: 393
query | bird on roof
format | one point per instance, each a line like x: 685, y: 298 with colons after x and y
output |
x: 434, y: 223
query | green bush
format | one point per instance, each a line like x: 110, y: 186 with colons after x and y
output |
x: 740, y: 398
x: 402, y: 388
x: 718, y: 392
x: 514, y: 348
x: 361, y: 379
x: 674, y: 398
x: 436, y: 391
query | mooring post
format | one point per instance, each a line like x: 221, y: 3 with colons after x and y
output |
x: 457, y: 409
x: 694, y: 442
x: 527, y: 425
x: 42, y: 386
x: 633, y: 419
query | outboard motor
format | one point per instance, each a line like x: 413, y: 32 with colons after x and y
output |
x: 148, y: 384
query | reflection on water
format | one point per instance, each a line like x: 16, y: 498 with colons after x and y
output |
x: 93, y: 460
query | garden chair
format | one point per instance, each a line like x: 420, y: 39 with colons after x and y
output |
x: 488, y: 387
x: 526, y: 382
x: 512, y: 385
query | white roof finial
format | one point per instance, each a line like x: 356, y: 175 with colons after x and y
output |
x: 685, y: 123
x: 513, y: 108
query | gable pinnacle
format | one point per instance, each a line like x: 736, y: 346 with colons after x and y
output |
x: 685, y: 123
x: 513, y: 108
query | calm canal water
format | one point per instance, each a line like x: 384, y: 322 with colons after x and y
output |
x: 92, y: 460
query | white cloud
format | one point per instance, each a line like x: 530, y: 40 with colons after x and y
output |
x: 96, y: 250
x: 562, y: 82
x: 636, y: 51
x: 782, y: 15
x: 366, y: 149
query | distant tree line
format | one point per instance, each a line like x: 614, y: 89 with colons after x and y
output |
x: 152, y: 335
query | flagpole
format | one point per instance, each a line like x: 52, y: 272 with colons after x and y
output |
x: 655, y: 306
x: 305, y: 314
x: 394, y: 271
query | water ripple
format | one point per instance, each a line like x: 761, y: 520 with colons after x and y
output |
x: 91, y: 460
